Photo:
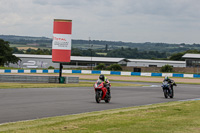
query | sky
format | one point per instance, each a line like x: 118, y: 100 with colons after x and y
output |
x: 160, y: 21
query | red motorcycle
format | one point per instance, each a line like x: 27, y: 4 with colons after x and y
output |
x: 101, y: 92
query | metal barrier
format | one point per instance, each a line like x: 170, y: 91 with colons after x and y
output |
x: 3, y: 71
x: 36, y: 79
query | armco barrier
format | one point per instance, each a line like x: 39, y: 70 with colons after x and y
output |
x: 178, y: 75
x: 156, y: 74
x: 135, y: 73
x: 101, y: 72
x: 36, y: 79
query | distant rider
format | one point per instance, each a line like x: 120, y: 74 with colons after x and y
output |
x: 106, y: 83
x: 171, y: 82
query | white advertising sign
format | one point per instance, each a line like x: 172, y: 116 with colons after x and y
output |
x: 61, y: 41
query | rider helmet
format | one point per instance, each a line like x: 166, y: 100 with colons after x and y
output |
x: 166, y: 78
x: 101, y: 77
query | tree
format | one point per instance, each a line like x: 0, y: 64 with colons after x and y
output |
x: 115, y: 67
x: 17, y: 51
x: 106, y: 48
x: 76, y: 52
x: 39, y: 51
x: 51, y: 67
x: 178, y: 56
x: 6, y: 55
x: 100, y: 66
x: 166, y: 68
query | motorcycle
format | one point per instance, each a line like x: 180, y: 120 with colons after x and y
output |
x: 168, y: 89
x: 101, y: 92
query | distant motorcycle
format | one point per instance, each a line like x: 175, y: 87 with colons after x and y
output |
x: 168, y: 89
x: 101, y: 92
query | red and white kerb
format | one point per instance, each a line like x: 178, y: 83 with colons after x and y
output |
x: 61, y: 45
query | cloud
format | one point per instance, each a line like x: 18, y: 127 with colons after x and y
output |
x: 173, y: 21
x: 61, y: 2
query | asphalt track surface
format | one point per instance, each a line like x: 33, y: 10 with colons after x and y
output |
x: 34, y: 103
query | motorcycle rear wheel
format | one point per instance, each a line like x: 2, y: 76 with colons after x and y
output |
x: 107, y: 100
x: 172, y: 94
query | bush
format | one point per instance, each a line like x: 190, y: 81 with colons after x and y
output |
x: 51, y: 67
x: 108, y: 68
x: 101, y: 66
x: 166, y: 68
x: 115, y: 67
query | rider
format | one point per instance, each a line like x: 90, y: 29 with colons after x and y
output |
x: 106, y: 82
x: 171, y: 82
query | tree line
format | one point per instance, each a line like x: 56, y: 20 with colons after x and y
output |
x: 133, y: 53
x: 101, y: 44
x: 6, y: 53
x: 121, y: 53
x: 178, y: 56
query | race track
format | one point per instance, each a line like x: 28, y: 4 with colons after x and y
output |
x: 33, y: 103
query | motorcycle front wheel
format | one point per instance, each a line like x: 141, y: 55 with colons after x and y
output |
x: 98, y: 97
x: 165, y: 93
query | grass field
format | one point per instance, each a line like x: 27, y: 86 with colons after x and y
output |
x: 176, y: 117
x: 104, y: 54
x: 17, y: 45
x: 25, y: 48
x: 54, y: 85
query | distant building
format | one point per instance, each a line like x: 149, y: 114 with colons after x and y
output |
x: 192, y: 60
x: 154, y: 63
x: 44, y: 61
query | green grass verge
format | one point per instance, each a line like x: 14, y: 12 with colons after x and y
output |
x: 128, y: 76
x: 1, y: 67
x: 53, y: 85
x: 176, y: 117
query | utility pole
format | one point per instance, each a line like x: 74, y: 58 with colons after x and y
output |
x: 106, y: 48
x: 91, y: 51
x: 197, y: 66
